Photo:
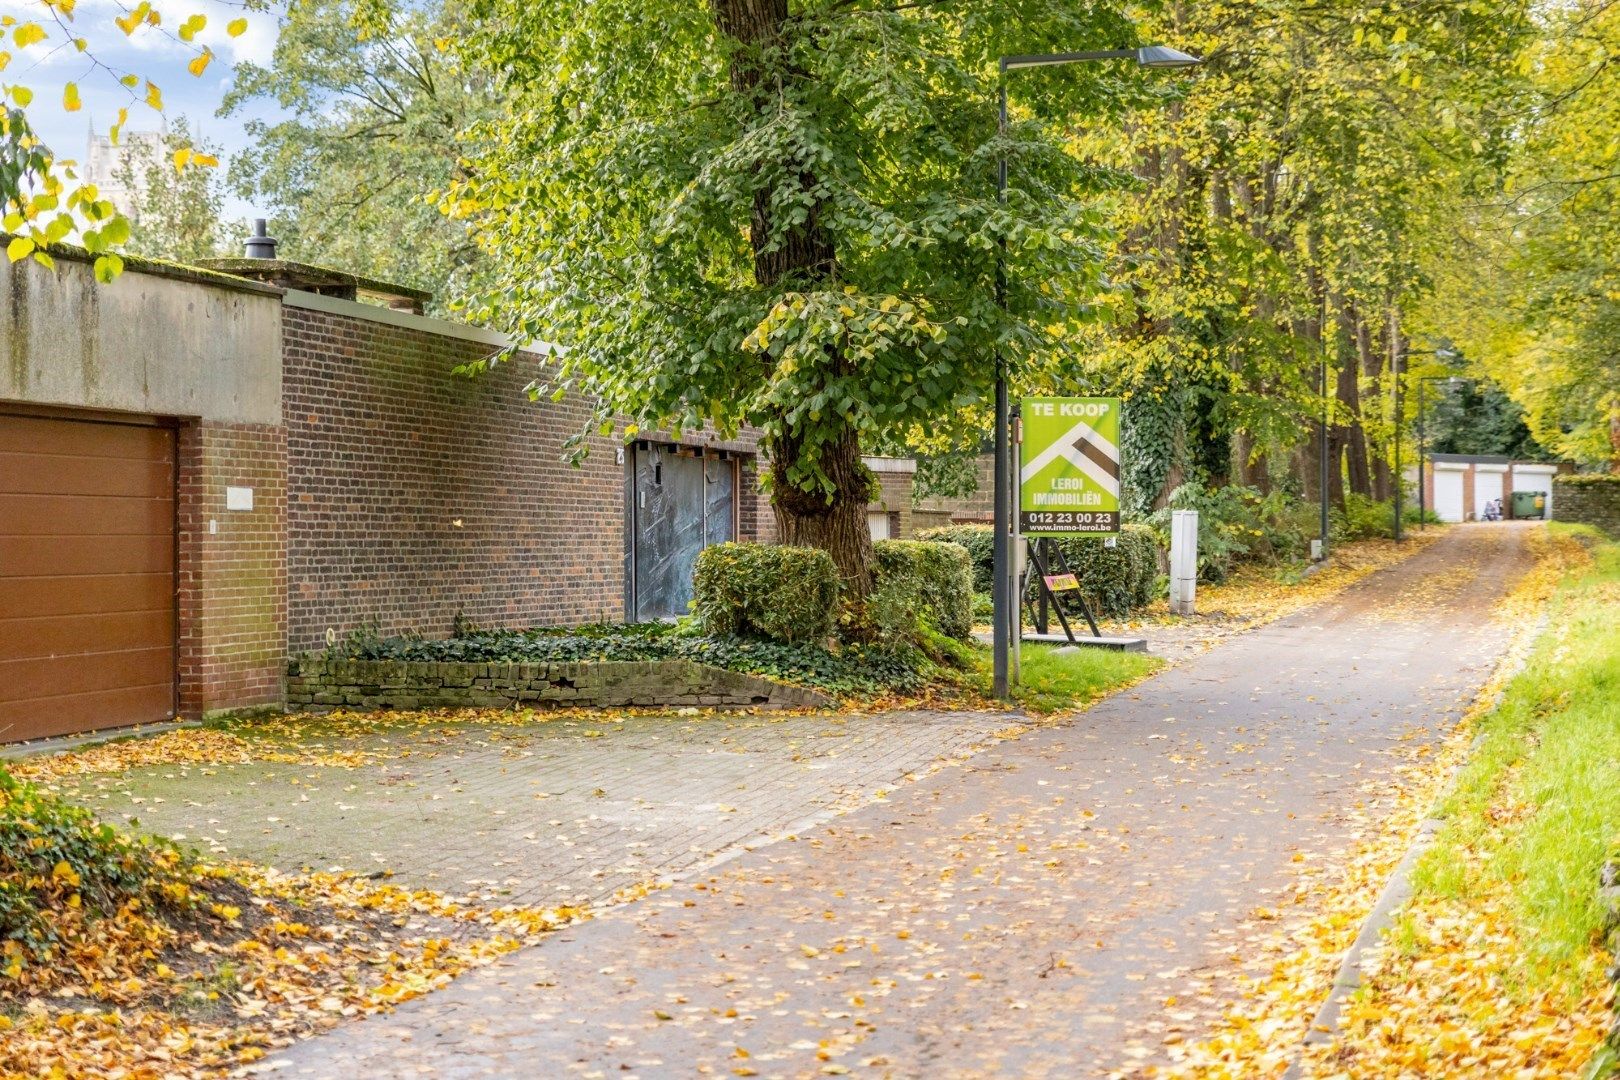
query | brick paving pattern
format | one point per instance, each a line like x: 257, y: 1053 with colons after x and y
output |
x: 1034, y: 913
x: 556, y: 812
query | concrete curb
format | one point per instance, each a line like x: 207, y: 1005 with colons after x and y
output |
x: 1397, y: 891
x: 63, y: 743
x: 1324, y: 1027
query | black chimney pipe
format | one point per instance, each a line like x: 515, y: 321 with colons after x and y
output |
x: 260, y: 245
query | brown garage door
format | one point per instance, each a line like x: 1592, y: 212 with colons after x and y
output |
x: 86, y: 575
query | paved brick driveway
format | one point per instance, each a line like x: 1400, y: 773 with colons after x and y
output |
x: 546, y: 813
x: 1055, y: 907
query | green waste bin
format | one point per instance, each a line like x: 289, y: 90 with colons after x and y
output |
x: 1529, y: 504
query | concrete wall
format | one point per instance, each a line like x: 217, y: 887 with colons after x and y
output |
x: 162, y: 342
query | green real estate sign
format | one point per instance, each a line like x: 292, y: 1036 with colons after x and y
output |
x: 1068, y: 477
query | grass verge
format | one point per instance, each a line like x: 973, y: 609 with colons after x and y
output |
x: 1496, y: 968
x: 1054, y: 679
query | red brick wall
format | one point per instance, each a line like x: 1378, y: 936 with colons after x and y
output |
x: 894, y: 498
x: 756, y: 521
x: 231, y: 578
x: 415, y: 494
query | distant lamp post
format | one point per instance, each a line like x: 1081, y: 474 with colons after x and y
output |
x: 1003, y: 589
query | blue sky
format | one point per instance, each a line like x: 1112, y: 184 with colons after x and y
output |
x: 152, y: 53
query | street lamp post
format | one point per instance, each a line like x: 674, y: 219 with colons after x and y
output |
x: 1395, y: 366
x: 1003, y: 591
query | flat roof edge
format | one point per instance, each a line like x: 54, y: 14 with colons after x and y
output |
x: 426, y: 324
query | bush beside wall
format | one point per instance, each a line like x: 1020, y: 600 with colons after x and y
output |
x: 1115, y: 580
x: 778, y: 593
x: 977, y: 540
x: 931, y: 579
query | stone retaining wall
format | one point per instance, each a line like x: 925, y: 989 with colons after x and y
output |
x: 1589, y: 499
x: 319, y: 685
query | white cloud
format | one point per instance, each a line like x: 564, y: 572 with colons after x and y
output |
x: 94, y: 21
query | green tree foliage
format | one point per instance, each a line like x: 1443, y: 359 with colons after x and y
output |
x: 1478, y: 418
x: 370, y: 100
x: 1284, y: 219
x: 1531, y: 285
x: 42, y: 201
x: 177, y: 213
x: 785, y: 215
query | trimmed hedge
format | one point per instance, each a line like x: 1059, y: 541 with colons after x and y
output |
x: 977, y: 540
x: 917, y: 577
x: 778, y: 593
x: 1115, y: 580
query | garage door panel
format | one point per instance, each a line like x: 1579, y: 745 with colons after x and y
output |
x: 74, y: 515
x: 54, y: 474
x: 39, y: 435
x: 69, y: 714
x: 1448, y: 495
x: 54, y: 595
x: 87, y: 598
x: 71, y: 556
x: 45, y: 678
x: 61, y: 635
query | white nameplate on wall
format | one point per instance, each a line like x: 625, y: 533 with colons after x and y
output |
x: 238, y: 498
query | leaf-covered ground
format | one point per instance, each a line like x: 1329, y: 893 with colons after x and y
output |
x: 1075, y: 895
x: 224, y: 961
x: 1462, y: 987
x: 267, y: 956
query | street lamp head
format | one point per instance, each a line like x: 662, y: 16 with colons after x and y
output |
x: 1162, y: 56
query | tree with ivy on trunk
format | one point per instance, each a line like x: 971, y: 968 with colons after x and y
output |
x: 783, y: 214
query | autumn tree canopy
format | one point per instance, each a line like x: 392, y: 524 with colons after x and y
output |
x: 785, y: 215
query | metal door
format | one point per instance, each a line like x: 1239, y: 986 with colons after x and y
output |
x: 87, y: 612
x: 681, y: 501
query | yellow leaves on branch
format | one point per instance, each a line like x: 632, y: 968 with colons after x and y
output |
x: 30, y: 33
x: 187, y: 156
x: 143, y: 14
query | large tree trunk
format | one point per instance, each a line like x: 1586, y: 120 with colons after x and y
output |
x: 1351, y: 434
x: 838, y: 526
x: 805, y: 256
x: 1372, y: 368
